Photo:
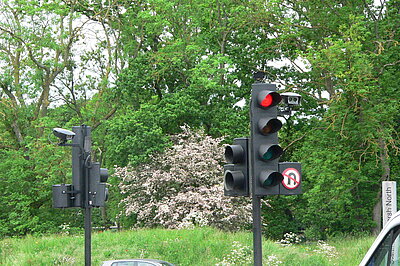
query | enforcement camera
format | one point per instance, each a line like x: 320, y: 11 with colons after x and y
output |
x: 291, y: 98
x: 63, y: 134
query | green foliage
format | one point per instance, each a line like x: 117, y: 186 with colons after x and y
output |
x: 133, y: 137
x: 348, y: 146
x: 338, y: 190
x: 26, y: 178
x: 280, y: 216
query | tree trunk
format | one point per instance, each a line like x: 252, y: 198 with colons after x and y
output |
x: 384, y: 158
x: 377, y: 214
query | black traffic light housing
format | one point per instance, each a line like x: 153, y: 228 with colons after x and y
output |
x: 88, y: 187
x: 62, y: 196
x: 98, y: 192
x: 81, y: 147
x: 264, y: 148
x: 236, y: 172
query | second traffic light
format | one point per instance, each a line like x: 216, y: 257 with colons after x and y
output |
x: 236, y: 173
x: 88, y: 188
x: 264, y: 148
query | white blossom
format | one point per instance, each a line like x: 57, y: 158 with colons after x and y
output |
x: 183, y: 187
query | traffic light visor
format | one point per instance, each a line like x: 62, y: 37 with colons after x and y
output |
x: 103, y: 175
x: 268, y: 98
x: 234, y: 153
x: 270, y: 152
x: 270, y: 178
x: 234, y: 179
x: 269, y: 126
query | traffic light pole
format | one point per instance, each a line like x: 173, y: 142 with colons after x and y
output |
x: 257, y: 241
x: 88, y: 218
x: 87, y: 208
x: 88, y: 236
x: 88, y: 187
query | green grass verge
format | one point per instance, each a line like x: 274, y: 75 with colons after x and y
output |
x: 201, y: 246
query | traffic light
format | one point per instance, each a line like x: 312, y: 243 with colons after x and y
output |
x: 264, y: 148
x: 98, y: 192
x: 88, y: 187
x: 67, y: 195
x: 236, y: 173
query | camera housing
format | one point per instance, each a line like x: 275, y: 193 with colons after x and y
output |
x: 63, y: 134
x: 291, y: 98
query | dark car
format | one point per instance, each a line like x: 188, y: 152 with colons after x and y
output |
x: 136, y: 262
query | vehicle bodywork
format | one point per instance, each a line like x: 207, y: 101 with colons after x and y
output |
x: 385, y: 249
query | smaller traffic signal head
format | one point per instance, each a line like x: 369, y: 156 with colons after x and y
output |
x: 234, y: 180
x: 103, y: 175
x: 236, y: 172
x: 234, y: 153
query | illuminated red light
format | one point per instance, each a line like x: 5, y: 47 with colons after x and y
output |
x: 267, y: 101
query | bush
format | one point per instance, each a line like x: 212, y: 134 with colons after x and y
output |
x: 183, y: 187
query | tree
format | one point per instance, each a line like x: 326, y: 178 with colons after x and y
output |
x: 39, y: 44
x: 182, y: 187
x: 348, y: 149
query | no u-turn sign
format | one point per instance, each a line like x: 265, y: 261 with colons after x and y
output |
x: 291, y: 183
x: 291, y: 178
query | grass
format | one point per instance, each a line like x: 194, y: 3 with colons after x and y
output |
x: 201, y: 246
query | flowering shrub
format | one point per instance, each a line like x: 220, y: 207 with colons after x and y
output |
x: 183, y: 187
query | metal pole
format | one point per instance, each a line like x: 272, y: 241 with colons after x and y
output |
x: 88, y: 221
x: 257, y: 241
x: 88, y: 235
x: 86, y: 204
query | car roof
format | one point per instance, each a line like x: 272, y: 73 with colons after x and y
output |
x: 109, y: 262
